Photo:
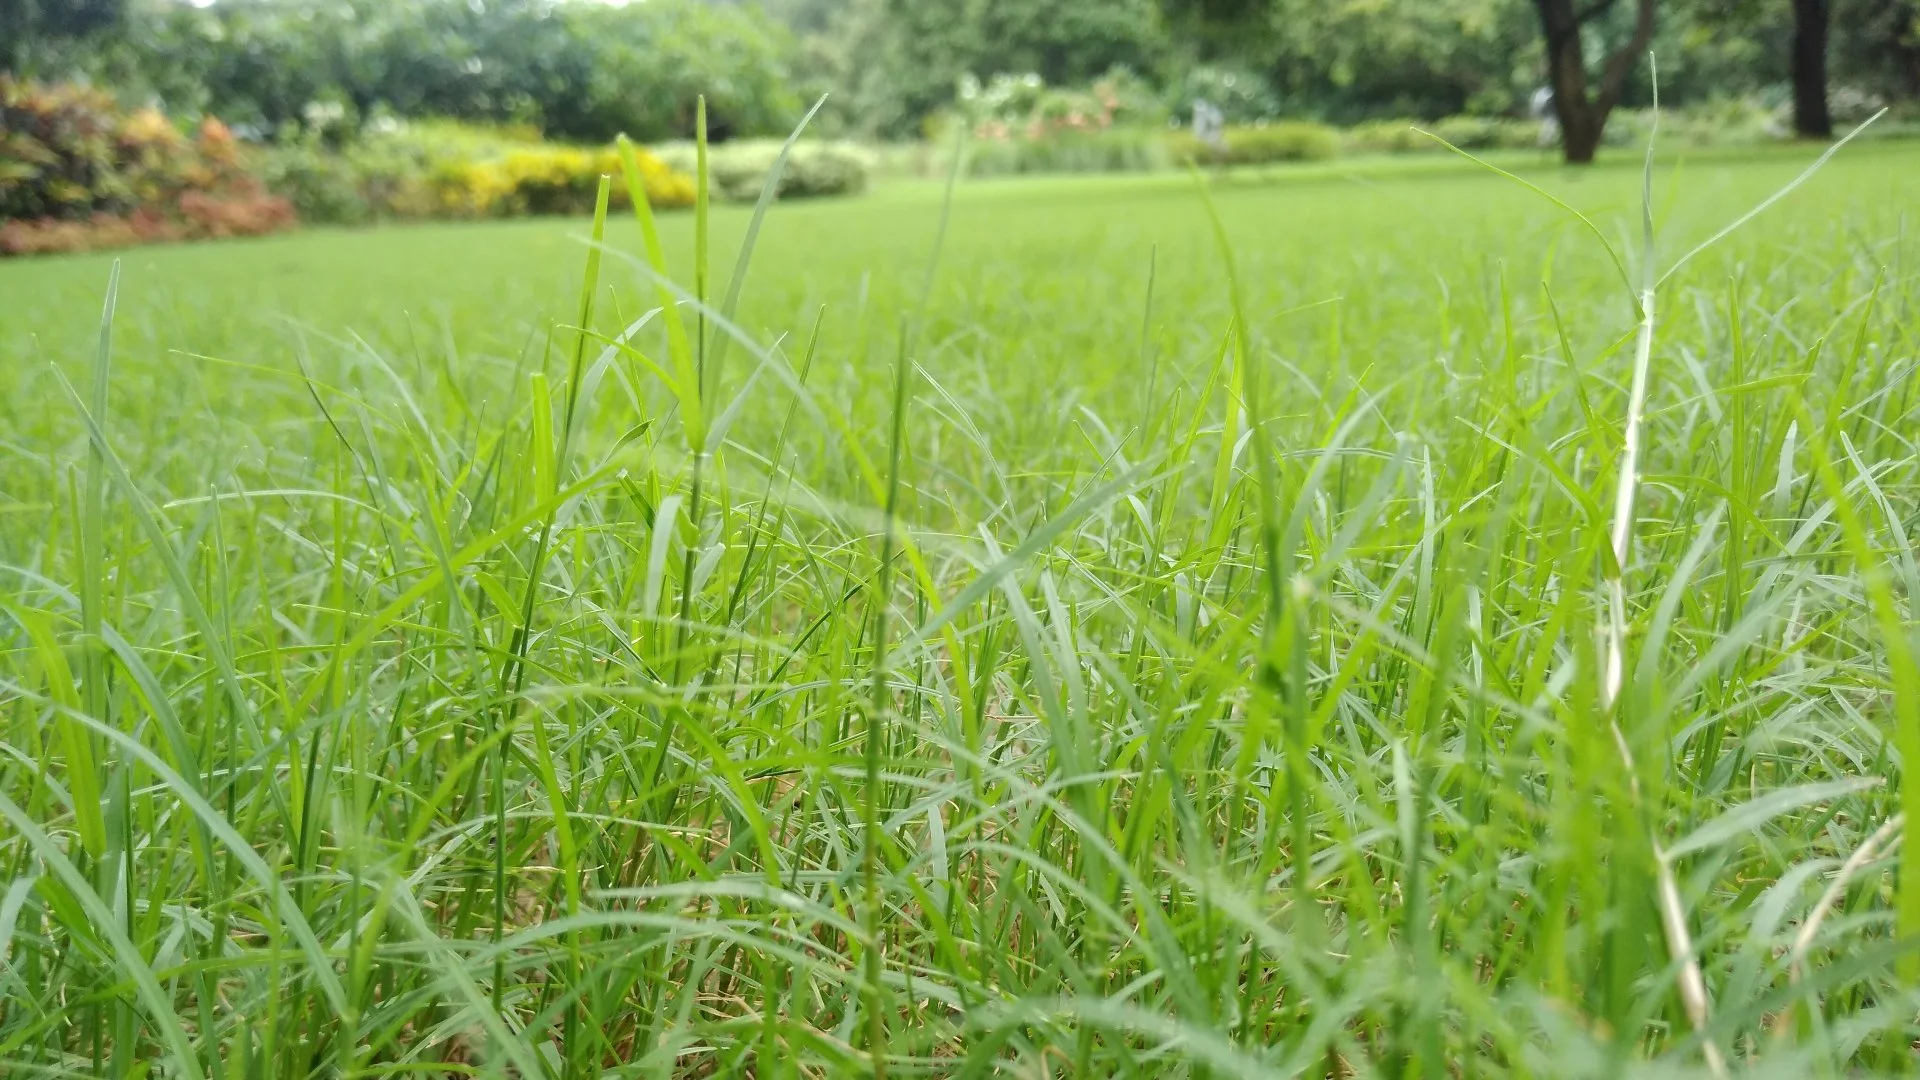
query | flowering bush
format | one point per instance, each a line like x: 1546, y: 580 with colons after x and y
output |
x: 549, y: 180
x: 666, y: 187
x: 468, y: 189
x: 1019, y: 124
x: 1024, y: 106
x: 79, y: 173
x: 57, y: 151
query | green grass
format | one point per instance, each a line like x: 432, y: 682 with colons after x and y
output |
x: 1021, y: 666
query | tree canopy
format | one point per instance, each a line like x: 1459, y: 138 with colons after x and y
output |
x: 575, y: 69
x: 29, y: 26
x: 586, y: 69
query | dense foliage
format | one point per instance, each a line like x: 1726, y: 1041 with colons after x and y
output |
x: 898, y: 60
x: 739, y: 169
x: 77, y: 171
x: 451, y: 170
x: 1265, y: 144
x: 583, y: 71
x: 31, y: 28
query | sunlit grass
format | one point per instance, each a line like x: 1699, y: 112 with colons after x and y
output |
x: 1004, y: 662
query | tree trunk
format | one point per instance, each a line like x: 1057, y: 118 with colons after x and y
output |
x: 1580, y: 142
x: 1583, y: 116
x: 1567, y: 75
x: 1811, y: 118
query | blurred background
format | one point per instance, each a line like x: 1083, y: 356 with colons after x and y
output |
x: 123, y: 120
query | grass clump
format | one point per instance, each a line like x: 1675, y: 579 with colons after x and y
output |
x: 1117, y: 645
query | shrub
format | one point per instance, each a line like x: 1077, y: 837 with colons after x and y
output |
x: 818, y: 170
x: 1729, y: 122
x: 213, y: 217
x: 470, y: 189
x: 548, y: 180
x: 324, y: 187
x: 78, y: 173
x: 738, y: 169
x: 1112, y: 150
x: 1732, y: 122
x: 197, y: 216
x: 1020, y: 124
x: 1487, y: 132
x: 1465, y: 132
x: 666, y: 187
x: 367, y: 179
x: 1289, y: 140
x: 917, y: 158
x: 551, y: 180
x: 51, y: 236
x: 1285, y: 141
x: 814, y: 170
x: 1901, y: 122
x: 435, y: 139
x: 445, y: 169
x: 61, y: 153
x: 1726, y: 122
x: 1387, y: 137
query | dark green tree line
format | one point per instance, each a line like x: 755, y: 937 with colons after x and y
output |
x: 28, y: 27
x: 586, y: 70
x: 1426, y: 57
x: 577, y: 70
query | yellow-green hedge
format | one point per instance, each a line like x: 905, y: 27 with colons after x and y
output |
x: 548, y: 180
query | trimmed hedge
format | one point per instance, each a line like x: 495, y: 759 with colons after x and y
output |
x: 1465, y: 132
x: 1269, y: 144
x: 739, y: 168
x: 549, y: 180
x: 446, y: 170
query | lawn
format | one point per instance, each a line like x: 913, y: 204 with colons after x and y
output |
x: 1046, y: 644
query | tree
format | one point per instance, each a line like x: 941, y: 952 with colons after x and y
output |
x: 1352, y: 61
x: 1811, y: 117
x: 1583, y: 114
x: 577, y: 70
x: 26, y: 25
x: 896, y: 62
x: 1877, y: 44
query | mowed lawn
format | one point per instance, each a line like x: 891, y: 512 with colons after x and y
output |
x: 1025, y: 259
x: 1083, y: 652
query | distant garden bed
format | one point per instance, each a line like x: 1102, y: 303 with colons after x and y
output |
x: 1016, y: 125
x: 79, y: 173
x: 441, y: 169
